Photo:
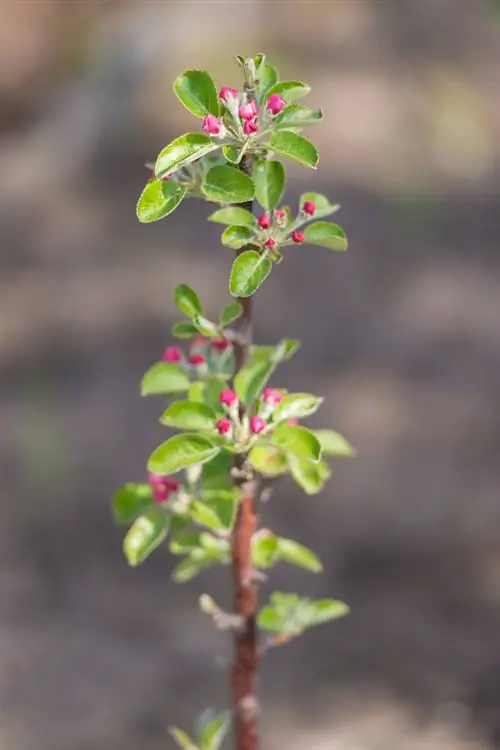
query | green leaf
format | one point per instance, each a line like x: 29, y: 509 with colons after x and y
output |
x: 187, y: 301
x: 184, y: 330
x: 130, y: 501
x: 182, y: 151
x: 232, y: 154
x: 268, y: 76
x: 333, y: 444
x: 225, y: 184
x: 264, y: 549
x: 326, y: 234
x: 309, y: 476
x: 298, y: 555
x: 236, y: 215
x: 279, y: 353
x: 296, y: 440
x: 325, y: 610
x: 295, y: 147
x: 296, y: 406
x: 252, y: 378
x: 208, y: 392
x: 290, y: 90
x: 323, y: 205
x: 182, y: 739
x: 291, y: 615
x: 237, y: 237
x: 200, y: 559
x: 258, y: 60
x: 223, y: 502
x: 205, y: 326
x: 184, y: 542
x: 163, y: 378
x: 189, y: 415
x: 214, y: 731
x: 215, y: 475
x: 230, y: 313
x: 158, y: 199
x: 268, y: 460
x: 269, y: 619
x: 144, y: 536
x: 180, y: 452
x: 196, y: 90
x: 297, y: 116
x: 206, y: 516
x: 270, y: 182
x: 249, y: 271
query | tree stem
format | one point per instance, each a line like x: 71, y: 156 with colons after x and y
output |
x: 243, y: 683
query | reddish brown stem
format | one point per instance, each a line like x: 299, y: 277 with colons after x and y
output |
x: 246, y: 648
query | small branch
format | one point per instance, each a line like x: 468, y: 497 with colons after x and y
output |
x: 243, y: 682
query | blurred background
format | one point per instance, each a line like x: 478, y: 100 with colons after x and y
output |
x: 401, y: 335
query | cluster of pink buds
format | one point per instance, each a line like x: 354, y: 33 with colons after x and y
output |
x: 248, y: 113
x: 162, y: 487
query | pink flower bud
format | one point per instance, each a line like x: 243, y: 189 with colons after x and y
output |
x: 271, y: 243
x: 199, y: 340
x: 280, y: 214
x: 211, y: 125
x: 196, y: 359
x: 257, y: 424
x: 221, y: 344
x: 172, y: 354
x: 275, y: 104
x: 271, y: 396
x: 162, y: 487
x: 298, y: 237
x: 228, y: 398
x: 309, y: 208
x: 264, y: 221
x: 292, y: 421
x: 227, y: 91
x: 223, y: 426
x: 250, y: 127
x: 246, y: 111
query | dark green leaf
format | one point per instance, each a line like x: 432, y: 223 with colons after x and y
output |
x: 182, y: 151
x: 163, y: 378
x: 189, y: 415
x: 226, y: 184
x: 188, y: 301
x: 158, y: 199
x: 296, y: 554
x: 326, y: 234
x: 184, y: 330
x: 290, y: 90
x: 252, y: 378
x: 233, y: 215
x: 180, y: 452
x: 299, y: 441
x: 230, y: 313
x: 270, y: 181
x: 237, y: 237
x: 323, y: 205
x: 333, y: 444
x: 297, y: 116
x: 196, y: 90
x: 249, y: 271
x: 145, y: 535
x: 130, y: 501
x: 295, y: 147
x: 296, y: 406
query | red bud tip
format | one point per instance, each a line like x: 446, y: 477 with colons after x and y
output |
x: 228, y: 398
x: 309, y: 208
x: 211, y: 125
x: 162, y: 487
x: 221, y: 344
x: 264, y: 221
x: 196, y: 359
x: 257, y: 424
x: 249, y: 127
x: 271, y: 243
x: 172, y: 354
x: 298, y: 237
x: 275, y: 104
x: 223, y: 426
x: 227, y: 91
x: 271, y: 396
x: 292, y: 421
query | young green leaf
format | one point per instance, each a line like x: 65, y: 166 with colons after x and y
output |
x: 130, y: 501
x: 291, y: 615
x: 227, y: 184
x: 236, y: 215
x: 264, y: 549
x: 299, y: 441
x: 182, y: 151
x: 180, y: 452
x: 249, y: 271
x: 296, y: 406
x: 184, y: 330
x: 270, y: 182
x: 323, y: 205
x: 189, y: 415
x: 279, y: 353
x: 268, y: 460
x: 191, y: 566
x: 326, y: 234
x: 232, y: 154
x: 184, y: 543
x: 205, y: 516
x: 196, y: 90
x: 290, y: 90
x: 163, y: 378
x: 144, y: 536
x: 230, y: 313
x: 213, y: 732
x: 295, y: 147
x: 333, y: 444
x: 158, y: 199
x: 182, y: 739
x: 223, y: 502
x: 296, y: 554
x: 309, y: 476
x: 297, y: 116
x: 252, y: 378
x: 237, y: 237
x: 268, y: 76
x: 205, y: 326
x: 208, y: 392
x: 187, y: 301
